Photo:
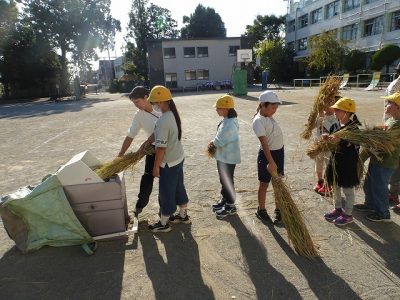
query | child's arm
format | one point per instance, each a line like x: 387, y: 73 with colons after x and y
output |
x: 271, y: 167
x: 160, y: 152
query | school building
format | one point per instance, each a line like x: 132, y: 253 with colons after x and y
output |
x: 189, y: 63
x: 366, y: 25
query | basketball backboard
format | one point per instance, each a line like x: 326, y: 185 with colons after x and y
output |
x: 244, y: 55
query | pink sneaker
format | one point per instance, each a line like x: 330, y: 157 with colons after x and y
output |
x: 337, y: 212
x: 343, y: 219
x: 393, y: 199
x: 325, y: 190
x: 319, y: 185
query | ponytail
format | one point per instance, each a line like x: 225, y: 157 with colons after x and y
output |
x: 232, y: 113
x: 174, y: 110
x: 258, y: 110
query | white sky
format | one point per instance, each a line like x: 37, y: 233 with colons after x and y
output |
x: 235, y: 14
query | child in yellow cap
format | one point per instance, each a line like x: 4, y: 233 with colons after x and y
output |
x: 168, y: 163
x: 342, y: 169
x: 379, y: 172
x: 227, y: 154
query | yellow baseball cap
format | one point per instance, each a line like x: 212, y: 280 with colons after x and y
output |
x: 345, y: 104
x: 225, y: 101
x: 393, y: 98
x: 159, y: 93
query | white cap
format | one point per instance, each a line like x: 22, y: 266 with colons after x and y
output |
x: 270, y: 97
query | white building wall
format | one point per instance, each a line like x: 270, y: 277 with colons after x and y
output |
x: 219, y: 63
x: 354, y: 16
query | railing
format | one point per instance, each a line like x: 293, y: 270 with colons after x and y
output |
x: 307, y: 82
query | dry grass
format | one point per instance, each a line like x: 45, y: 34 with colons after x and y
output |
x: 293, y: 220
x: 211, y: 150
x: 325, y: 98
x: 320, y: 146
x: 122, y: 163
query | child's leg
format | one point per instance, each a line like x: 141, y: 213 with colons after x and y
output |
x: 226, y: 173
x: 262, y: 194
x: 349, y: 200
x: 394, y: 183
x: 381, y: 177
x: 319, y: 166
x: 337, y: 196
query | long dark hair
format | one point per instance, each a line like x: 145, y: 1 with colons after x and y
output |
x: 174, y: 110
x: 232, y: 113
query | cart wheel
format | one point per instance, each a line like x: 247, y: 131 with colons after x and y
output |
x: 89, y: 248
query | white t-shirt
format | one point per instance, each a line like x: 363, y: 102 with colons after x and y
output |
x: 143, y: 120
x: 267, y: 126
x: 393, y: 87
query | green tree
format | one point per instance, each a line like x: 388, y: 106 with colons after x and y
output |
x: 72, y: 26
x: 203, y: 23
x: 266, y: 27
x: 354, y: 60
x: 326, y: 53
x: 147, y: 22
x: 28, y: 61
x: 8, y: 21
x: 277, y: 59
x: 384, y: 57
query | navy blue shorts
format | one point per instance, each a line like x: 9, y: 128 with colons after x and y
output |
x: 279, y: 158
x: 172, y: 190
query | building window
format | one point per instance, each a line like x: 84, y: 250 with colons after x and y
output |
x: 302, y: 44
x: 373, y: 26
x: 190, y: 75
x: 303, y: 21
x: 202, y: 51
x: 202, y: 74
x: 290, y: 45
x: 189, y: 51
x: 171, y: 80
x: 349, y: 32
x: 332, y: 9
x: 169, y: 53
x: 291, y: 26
x: 233, y: 50
x: 395, y: 21
x: 350, y: 4
x: 316, y: 16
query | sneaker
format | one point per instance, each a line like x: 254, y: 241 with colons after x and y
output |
x: 363, y: 207
x: 343, y: 219
x: 396, y: 209
x: 263, y: 216
x: 325, y: 191
x: 393, y: 199
x: 333, y: 214
x: 319, y: 185
x: 217, y: 206
x: 227, y: 210
x: 158, y: 227
x: 377, y: 218
x: 278, y: 217
x: 178, y: 219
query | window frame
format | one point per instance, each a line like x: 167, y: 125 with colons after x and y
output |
x: 303, y: 21
x: 169, y: 57
x: 235, y: 48
x: 202, y: 55
x: 202, y: 77
x: 173, y: 81
x: 319, y: 13
x: 190, y: 71
x: 189, y: 55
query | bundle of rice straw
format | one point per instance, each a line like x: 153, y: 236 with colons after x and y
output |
x: 320, y: 146
x: 211, y: 150
x: 325, y: 98
x: 293, y: 220
x: 374, y: 141
x: 122, y: 163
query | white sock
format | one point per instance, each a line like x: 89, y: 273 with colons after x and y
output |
x: 164, y: 220
x: 182, y: 212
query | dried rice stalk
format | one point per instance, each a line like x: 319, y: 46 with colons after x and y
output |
x: 374, y: 141
x: 325, y: 98
x: 320, y: 146
x: 211, y: 149
x: 293, y: 220
x: 122, y: 163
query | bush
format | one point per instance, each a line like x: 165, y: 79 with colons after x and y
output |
x: 385, y: 57
x: 114, y: 85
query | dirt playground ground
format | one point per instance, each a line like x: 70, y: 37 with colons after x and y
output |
x: 235, y: 258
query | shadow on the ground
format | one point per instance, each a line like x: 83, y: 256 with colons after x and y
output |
x: 389, y: 232
x: 63, y: 273
x: 268, y: 282
x: 322, y: 281
x: 43, y: 108
x: 179, y: 277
